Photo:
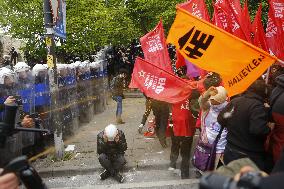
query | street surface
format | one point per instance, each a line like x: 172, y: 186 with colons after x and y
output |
x: 147, y: 161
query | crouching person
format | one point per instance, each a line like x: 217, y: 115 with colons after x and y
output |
x: 111, y: 146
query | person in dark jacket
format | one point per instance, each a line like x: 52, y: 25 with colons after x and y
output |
x: 161, y: 112
x: 111, y: 146
x: 246, y: 120
x: 117, y: 86
x: 276, y: 138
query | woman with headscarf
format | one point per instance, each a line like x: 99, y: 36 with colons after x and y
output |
x: 212, y: 102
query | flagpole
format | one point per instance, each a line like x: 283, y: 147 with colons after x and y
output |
x: 163, y: 70
x: 280, y: 61
x: 50, y: 47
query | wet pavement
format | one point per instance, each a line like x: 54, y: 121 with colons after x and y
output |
x: 147, y: 161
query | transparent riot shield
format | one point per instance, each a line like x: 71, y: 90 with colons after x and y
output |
x: 95, y: 86
x: 64, y: 109
x: 71, y: 85
x: 25, y: 89
x: 101, y: 86
x: 105, y: 84
x: 83, y: 92
x: 42, y: 103
x: 13, y: 147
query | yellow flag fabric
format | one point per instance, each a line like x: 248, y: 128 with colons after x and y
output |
x: 210, y: 48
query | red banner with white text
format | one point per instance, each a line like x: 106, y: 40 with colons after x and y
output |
x: 160, y: 84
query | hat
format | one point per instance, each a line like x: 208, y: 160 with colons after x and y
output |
x: 111, y: 132
x: 221, y: 96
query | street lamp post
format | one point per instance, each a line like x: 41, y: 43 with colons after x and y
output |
x: 51, y: 61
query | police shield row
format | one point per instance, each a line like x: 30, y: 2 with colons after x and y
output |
x: 81, y: 94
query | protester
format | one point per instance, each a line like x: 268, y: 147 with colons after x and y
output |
x: 276, y: 138
x: 111, y: 146
x: 246, y: 120
x: 9, y: 181
x: 183, y: 128
x: 161, y: 113
x: 117, y: 86
x: 146, y: 114
x: 272, y: 181
x: 212, y: 102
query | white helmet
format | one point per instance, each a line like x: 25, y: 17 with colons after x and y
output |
x: 38, y: 68
x: 111, y: 131
x: 77, y: 63
x: 21, y: 66
x: 61, y: 66
x: 5, y: 72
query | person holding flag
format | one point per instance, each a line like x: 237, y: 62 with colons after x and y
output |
x: 183, y: 128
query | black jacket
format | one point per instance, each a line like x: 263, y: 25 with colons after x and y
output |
x: 112, y: 148
x: 247, y: 127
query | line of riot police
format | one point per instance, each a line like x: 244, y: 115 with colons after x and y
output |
x: 82, y: 93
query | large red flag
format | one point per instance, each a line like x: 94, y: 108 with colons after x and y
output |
x: 274, y: 29
x: 233, y: 9
x: 258, y: 38
x: 159, y: 84
x: 221, y: 18
x: 197, y: 8
x: 155, y: 48
x: 246, y: 22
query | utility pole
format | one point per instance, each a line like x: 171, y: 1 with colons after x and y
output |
x: 51, y: 61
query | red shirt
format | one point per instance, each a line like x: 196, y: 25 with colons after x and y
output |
x: 183, y: 120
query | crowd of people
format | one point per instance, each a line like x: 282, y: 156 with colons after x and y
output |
x: 246, y: 126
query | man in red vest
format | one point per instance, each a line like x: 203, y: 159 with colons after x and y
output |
x: 183, y: 127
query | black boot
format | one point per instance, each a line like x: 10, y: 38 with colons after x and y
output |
x: 119, y: 177
x: 184, y: 174
x: 104, y: 175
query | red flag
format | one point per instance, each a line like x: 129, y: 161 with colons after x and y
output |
x: 155, y: 48
x: 197, y: 8
x: 180, y: 60
x: 237, y: 8
x: 159, y: 84
x: 246, y: 22
x: 274, y: 29
x: 258, y: 38
x: 233, y: 9
x: 221, y: 18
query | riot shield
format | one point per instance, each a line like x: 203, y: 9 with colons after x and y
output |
x: 71, y: 85
x: 25, y: 89
x: 64, y: 109
x: 84, y: 93
x: 94, y: 66
x: 42, y: 102
x: 13, y: 147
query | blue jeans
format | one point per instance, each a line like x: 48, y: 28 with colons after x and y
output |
x: 118, y: 100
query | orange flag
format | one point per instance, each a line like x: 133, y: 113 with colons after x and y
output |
x: 210, y: 48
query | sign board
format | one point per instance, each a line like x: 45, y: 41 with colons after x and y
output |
x: 58, y: 8
x: 50, y: 61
